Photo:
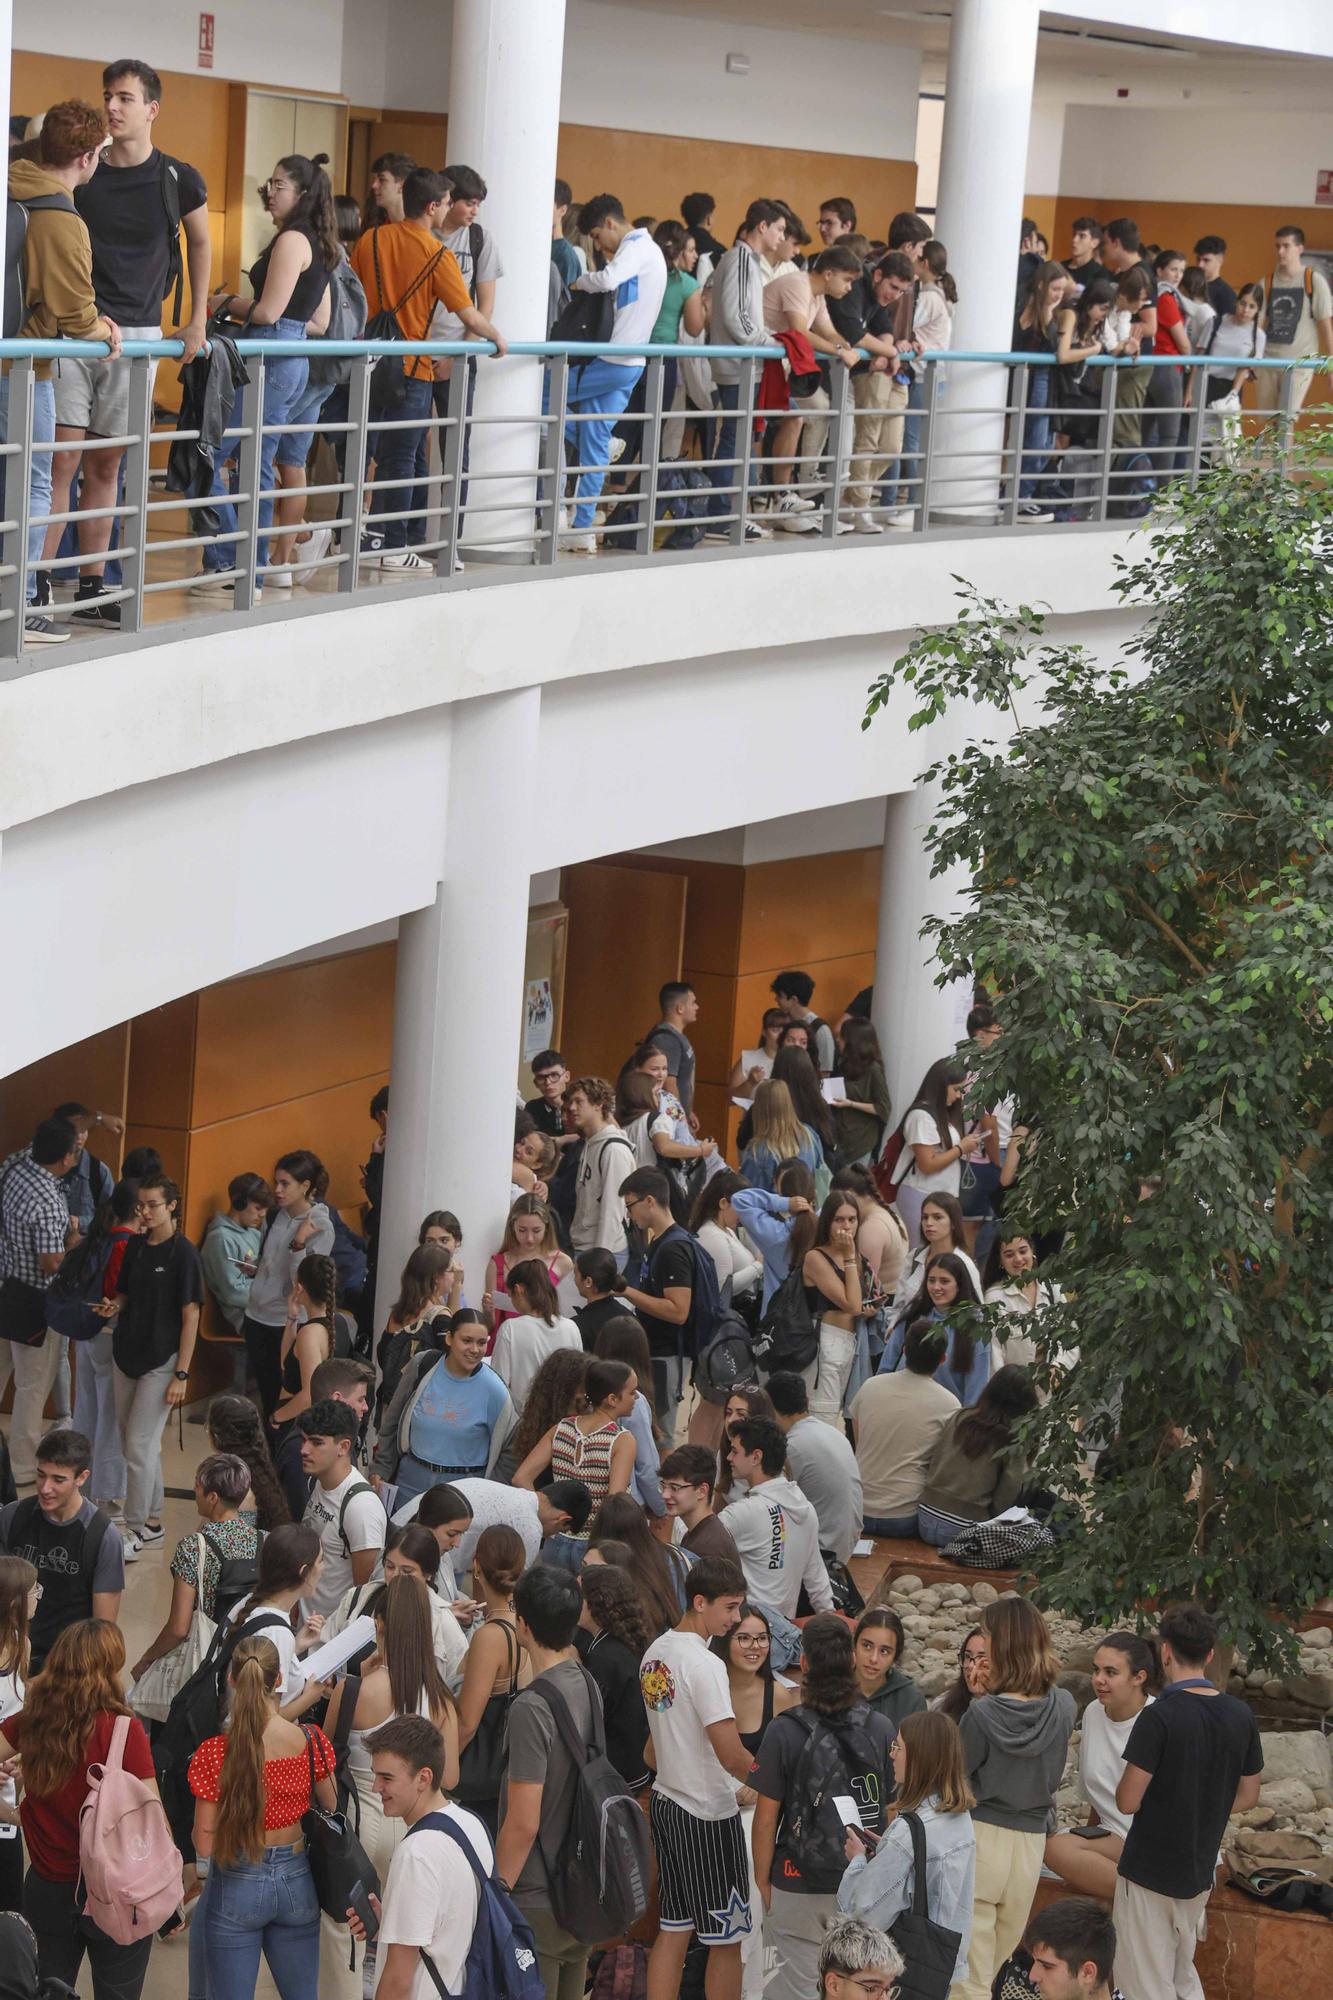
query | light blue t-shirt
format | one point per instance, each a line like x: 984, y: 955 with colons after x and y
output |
x: 453, y: 1420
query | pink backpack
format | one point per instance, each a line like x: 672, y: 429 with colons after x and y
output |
x: 130, y: 1865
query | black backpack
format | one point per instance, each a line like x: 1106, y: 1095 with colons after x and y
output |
x: 726, y: 1357
x: 788, y: 1332
x: 18, y: 306
x: 601, y: 1877
x: 929, y: 1950
x: 589, y: 316
x: 399, y: 1350
x: 237, y: 1578
x: 387, y: 379
x: 194, y: 1716
x: 833, y: 1755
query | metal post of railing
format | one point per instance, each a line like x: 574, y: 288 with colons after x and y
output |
x: 245, y: 555
x: 1106, y: 433
x: 551, y: 462
x: 134, y: 525
x: 929, y: 413
x: 1288, y: 408
x: 356, y: 450
x: 1020, y: 425
x: 451, y: 467
x: 1196, y: 414
x: 650, y: 455
x: 840, y: 407
x: 18, y: 485
x: 744, y: 447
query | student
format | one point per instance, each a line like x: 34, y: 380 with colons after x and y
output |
x: 221, y: 1487
x: 235, y: 1426
x: 863, y: 1114
x: 1072, y: 1945
x: 1209, y: 253
x: 344, y: 1511
x: 973, y: 1677
x: 793, y: 992
x: 607, y: 1156
x: 315, y: 1332
x: 934, y: 1141
x: 949, y: 1295
x: 34, y: 1231
x: 300, y: 1222
x: 660, y: 1568
x: 878, y: 1643
x: 623, y: 1339
x: 1012, y: 1284
x: 896, y: 1421
x: 563, y: 254
x: 680, y: 1010
x: 532, y: 1332
x: 411, y: 1550
x: 703, y: 1873
x: 1193, y: 1759
x: 736, y: 319
x: 977, y: 1470
x: 450, y: 1416
x: 612, y: 1638
x: 537, y: 1800
x: 833, y: 1289
x: 1125, y: 1674
x: 823, y: 1465
x: 529, y: 1232
x: 778, y: 1135
x: 1237, y: 337
x: 592, y: 1447
x: 492, y: 1673
x: 1298, y: 319
x: 774, y: 1527
x: 757, y: 1697
x: 743, y: 1082
x: 594, y: 1277
x: 20, y: 1594
x: 943, y: 1227
x: 77, y: 1553
x: 688, y: 1475
x: 429, y: 1293
x: 102, y: 1250
x: 1015, y: 1737
x: 800, y: 1902
x: 781, y: 1225
x: 879, y: 1884
x: 547, y: 1108
x: 663, y: 1299
x: 291, y: 1563
x: 231, y: 1245
x: 388, y: 177
x: 857, y: 1959
x: 1082, y: 262
x: 459, y: 1513
x: 716, y: 1224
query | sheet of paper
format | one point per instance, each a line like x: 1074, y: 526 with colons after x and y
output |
x: 1013, y: 1514
x: 323, y: 1661
x: 834, y: 1089
x: 743, y: 1103
x: 502, y: 1302
x: 864, y: 1548
x: 847, y: 1809
x: 756, y: 1059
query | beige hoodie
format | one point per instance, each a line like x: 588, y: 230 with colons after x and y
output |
x: 58, y: 266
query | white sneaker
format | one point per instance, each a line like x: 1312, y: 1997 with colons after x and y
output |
x: 865, y: 523
x: 617, y: 451
x: 901, y: 517
x: 149, y: 1534
x: 313, y: 550
x: 405, y: 562
x: 792, y: 516
x: 579, y: 542
x: 132, y: 1549
x: 799, y: 501
x: 278, y: 576
x: 755, y: 531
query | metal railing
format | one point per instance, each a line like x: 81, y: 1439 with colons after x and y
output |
x: 528, y: 462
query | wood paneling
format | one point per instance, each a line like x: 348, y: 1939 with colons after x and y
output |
x: 814, y: 907
x: 626, y: 938
x: 92, y: 1072
x: 161, y: 1088
x: 332, y: 1123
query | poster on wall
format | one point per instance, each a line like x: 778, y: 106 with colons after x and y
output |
x: 538, y: 1018
x: 543, y: 987
x: 1323, y: 188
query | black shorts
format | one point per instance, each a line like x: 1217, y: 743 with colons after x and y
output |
x: 703, y: 1874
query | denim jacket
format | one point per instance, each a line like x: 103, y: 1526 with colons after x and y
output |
x: 880, y: 1889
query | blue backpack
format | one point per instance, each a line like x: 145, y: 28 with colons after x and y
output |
x: 75, y: 1290
x: 502, y: 1958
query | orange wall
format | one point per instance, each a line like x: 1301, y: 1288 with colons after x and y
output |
x: 625, y: 938
x: 92, y: 1073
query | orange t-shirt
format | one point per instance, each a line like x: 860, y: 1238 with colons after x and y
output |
x: 405, y: 249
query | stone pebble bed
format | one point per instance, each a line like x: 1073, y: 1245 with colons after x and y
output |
x: 1297, y: 1792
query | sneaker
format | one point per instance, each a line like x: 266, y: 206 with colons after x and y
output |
x: 579, y: 542
x: 1031, y: 510
x: 719, y: 531
x: 150, y: 1532
x: 311, y: 553
x: 792, y: 516
x: 132, y: 1547
x: 372, y: 548
x: 901, y: 517
x: 865, y: 523
x: 40, y: 631
x: 278, y: 576
x: 406, y: 562
x: 756, y: 532
x: 91, y: 607
x: 41, y: 596
x: 214, y: 582
x: 844, y: 527
x: 617, y: 451
x: 799, y: 501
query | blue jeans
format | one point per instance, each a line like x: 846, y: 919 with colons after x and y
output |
x: 601, y: 388
x: 1037, y: 434
x: 413, y: 1477
x: 903, y: 485
x: 39, y: 482
x: 267, y: 1905
x: 294, y: 448
x: 893, y: 1527
x: 939, y: 1529
x: 284, y: 386
x: 395, y: 458
x: 724, y: 447
x: 565, y: 1551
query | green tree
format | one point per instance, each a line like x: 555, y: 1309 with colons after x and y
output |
x: 1153, y: 896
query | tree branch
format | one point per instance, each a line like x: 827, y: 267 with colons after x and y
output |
x: 1172, y: 936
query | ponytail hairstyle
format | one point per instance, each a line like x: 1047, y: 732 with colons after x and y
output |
x: 409, y: 1649
x: 537, y: 1289
x: 1141, y: 1655
x: 286, y: 1557
x: 317, y: 1276
x: 88, y: 1257
x: 314, y: 210
x: 603, y: 1380
x: 794, y: 1177
x: 238, y: 1833
x: 304, y: 1165
x: 17, y: 1578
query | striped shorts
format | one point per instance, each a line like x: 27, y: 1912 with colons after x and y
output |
x: 703, y: 1874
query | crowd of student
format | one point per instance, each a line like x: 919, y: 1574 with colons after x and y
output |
x: 103, y: 211
x: 561, y: 1583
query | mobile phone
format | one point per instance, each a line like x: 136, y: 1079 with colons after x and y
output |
x: 871, y: 1839
x: 172, y: 1924
x: 1091, y: 1832
x: 360, y: 1902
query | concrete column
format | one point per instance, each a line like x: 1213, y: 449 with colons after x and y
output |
x: 458, y: 1000
x: 983, y: 163
x: 918, y: 1021
x: 504, y: 120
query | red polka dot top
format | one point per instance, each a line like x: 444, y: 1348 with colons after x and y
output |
x: 286, y: 1779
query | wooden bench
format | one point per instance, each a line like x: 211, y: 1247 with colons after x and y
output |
x: 875, y: 1574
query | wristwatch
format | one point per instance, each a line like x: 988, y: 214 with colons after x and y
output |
x: 181, y: 1375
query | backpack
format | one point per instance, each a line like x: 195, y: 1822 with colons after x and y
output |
x: 27, y: 1516
x: 601, y: 1879
x: 349, y: 1249
x: 195, y: 1715
x: 347, y: 321
x: 361, y: 1486
x: 387, y: 378
x: 589, y: 316
x: 399, y: 1350
x: 128, y: 1861
x: 885, y: 1172
x: 74, y: 1291
x: 788, y: 1331
x: 171, y: 203
x: 706, y: 1307
x: 1133, y: 487
x: 813, y: 1830
x: 18, y: 307
x: 502, y: 1958
x: 727, y: 1356
x: 238, y: 1577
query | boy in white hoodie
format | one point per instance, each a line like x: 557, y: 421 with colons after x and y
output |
x: 606, y: 1160
x: 775, y: 1528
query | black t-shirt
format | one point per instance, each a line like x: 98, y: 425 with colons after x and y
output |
x: 131, y: 237
x: 879, y: 324
x: 1151, y: 300
x: 590, y: 1319
x: 1087, y: 274
x: 1198, y: 1747
x: 866, y: 1740
x: 159, y: 1280
x: 668, y: 1266
x: 547, y: 1117
x: 679, y: 1053
x: 309, y: 288
x: 1221, y: 297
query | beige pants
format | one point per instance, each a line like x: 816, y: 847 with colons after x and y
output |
x: 1154, y: 1943
x: 877, y: 436
x: 339, y: 1979
x: 1268, y: 387
x: 1008, y: 1870
x: 837, y: 1352
x: 812, y: 439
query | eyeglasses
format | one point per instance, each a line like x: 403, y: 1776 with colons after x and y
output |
x: 874, y: 1989
x: 679, y: 1485
x: 759, y: 1639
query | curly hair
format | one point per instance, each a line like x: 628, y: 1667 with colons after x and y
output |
x: 70, y: 130
x: 556, y: 1391
x: 79, y: 1683
x: 613, y: 1599
x: 235, y: 1425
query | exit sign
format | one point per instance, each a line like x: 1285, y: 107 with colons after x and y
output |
x: 205, y: 41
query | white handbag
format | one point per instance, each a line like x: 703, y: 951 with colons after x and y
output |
x: 152, y: 1696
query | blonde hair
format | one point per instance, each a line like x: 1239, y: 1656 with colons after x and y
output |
x: 773, y: 1122
x: 935, y: 1768
x: 238, y: 1834
x: 1022, y: 1658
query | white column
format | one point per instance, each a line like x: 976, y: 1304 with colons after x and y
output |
x: 983, y: 163
x: 6, y: 54
x: 504, y: 120
x: 458, y: 1000
x: 917, y: 1021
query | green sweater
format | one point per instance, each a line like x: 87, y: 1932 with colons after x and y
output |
x: 972, y: 1489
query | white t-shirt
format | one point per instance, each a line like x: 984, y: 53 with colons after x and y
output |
x: 430, y: 1901
x: 1101, y: 1764
x: 448, y: 1639
x: 493, y: 1505
x: 521, y: 1346
x: 920, y: 1129
x: 731, y: 1259
x: 364, y: 1526
x: 1239, y: 341
x: 685, y: 1691
x: 282, y: 1639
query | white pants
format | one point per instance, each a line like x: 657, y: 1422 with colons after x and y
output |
x: 1154, y: 1943
x: 837, y: 1352
x: 35, y: 1371
x: 1008, y: 1870
x: 141, y: 1412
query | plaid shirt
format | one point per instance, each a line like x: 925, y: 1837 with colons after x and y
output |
x: 34, y: 1217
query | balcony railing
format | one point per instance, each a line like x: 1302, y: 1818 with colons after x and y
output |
x: 965, y: 447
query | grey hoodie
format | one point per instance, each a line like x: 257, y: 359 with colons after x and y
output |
x: 776, y: 1532
x: 1015, y: 1755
